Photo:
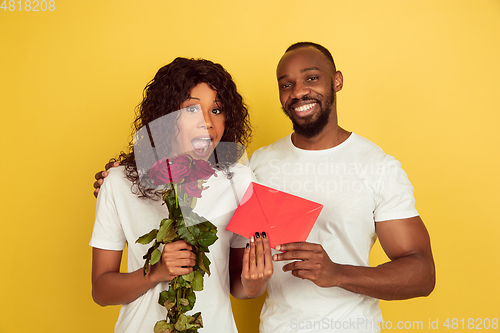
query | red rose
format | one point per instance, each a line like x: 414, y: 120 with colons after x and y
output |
x: 193, y: 189
x: 183, y: 169
x: 159, y: 173
x: 203, y: 169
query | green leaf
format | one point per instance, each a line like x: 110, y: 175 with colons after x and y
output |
x: 184, y: 301
x: 155, y: 256
x: 208, y: 225
x: 145, y: 268
x: 204, y: 262
x: 147, y: 257
x: 170, y: 236
x: 167, y: 298
x: 184, y: 232
x: 207, y: 238
x: 163, y: 297
x: 163, y: 327
x: 188, y: 277
x: 197, y: 283
x: 181, y: 324
x: 165, y: 226
x: 191, y: 297
x: 147, y: 238
x: 198, y: 322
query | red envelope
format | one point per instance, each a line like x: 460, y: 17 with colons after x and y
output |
x: 284, y: 217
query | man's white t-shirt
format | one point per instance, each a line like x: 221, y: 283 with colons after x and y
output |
x: 359, y: 185
x: 122, y: 217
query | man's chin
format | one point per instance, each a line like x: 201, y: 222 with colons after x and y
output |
x: 310, y: 131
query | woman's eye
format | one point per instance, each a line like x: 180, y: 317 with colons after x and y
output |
x: 192, y: 109
x: 216, y: 111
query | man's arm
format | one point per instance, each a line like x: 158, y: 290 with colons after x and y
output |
x: 410, y: 273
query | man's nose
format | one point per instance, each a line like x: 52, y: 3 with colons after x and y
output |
x: 299, y: 91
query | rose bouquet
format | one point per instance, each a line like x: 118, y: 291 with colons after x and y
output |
x: 185, y: 176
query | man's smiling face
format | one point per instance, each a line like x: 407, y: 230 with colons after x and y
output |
x: 306, y: 87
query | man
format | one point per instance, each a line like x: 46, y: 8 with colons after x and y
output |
x: 325, y: 284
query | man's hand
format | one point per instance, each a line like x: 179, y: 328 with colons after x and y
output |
x: 409, y: 273
x: 312, y: 262
x: 101, y: 175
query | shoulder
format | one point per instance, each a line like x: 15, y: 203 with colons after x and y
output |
x: 367, y: 151
x: 239, y: 172
x: 280, y: 146
x: 362, y: 145
x: 116, y: 174
x: 116, y: 181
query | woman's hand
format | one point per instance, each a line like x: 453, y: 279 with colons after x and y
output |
x: 177, y: 259
x: 257, y: 266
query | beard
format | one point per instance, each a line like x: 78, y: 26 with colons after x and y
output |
x: 310, y: 127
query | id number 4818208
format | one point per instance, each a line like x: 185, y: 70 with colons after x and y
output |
x: 28, y: 5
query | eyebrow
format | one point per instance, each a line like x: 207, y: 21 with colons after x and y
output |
x: 314, y: 68
x: 198, y: 99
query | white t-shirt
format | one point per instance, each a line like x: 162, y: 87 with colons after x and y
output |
x: 122, y: 217
x: 358, y: 184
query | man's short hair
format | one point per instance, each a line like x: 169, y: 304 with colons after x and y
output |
x: 319, y: 47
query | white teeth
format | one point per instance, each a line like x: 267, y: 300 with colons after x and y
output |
x: 305, y: 107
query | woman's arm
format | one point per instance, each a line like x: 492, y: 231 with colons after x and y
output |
x: 110, y: 287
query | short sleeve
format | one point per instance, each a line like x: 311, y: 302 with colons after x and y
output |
x: 395, y: 198
x: 108, y: 232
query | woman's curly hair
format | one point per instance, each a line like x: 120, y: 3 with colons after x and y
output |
x: 165, y: 93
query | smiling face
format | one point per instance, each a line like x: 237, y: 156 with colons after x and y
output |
x: 307, y: 86
x: 201, y: 123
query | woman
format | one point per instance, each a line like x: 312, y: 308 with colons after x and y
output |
x: 128, y: 208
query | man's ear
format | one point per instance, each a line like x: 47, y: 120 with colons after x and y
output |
x: 338, y: 81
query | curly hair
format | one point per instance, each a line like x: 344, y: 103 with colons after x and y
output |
x: 165, y: 93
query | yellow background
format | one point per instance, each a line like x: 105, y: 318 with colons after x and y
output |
x: 421, y: 81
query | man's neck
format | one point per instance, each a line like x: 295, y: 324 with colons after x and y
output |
x: 331, y: 136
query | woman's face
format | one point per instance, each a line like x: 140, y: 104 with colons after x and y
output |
x: 201, y: 123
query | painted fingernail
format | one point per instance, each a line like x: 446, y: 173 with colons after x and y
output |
x: 248, y: 245
x: 252, y: 239
x: 257, y: 235
x: 264, y: 234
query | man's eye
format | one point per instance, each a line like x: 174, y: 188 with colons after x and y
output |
x: 312, y: 78
x: 285, y: 86
x: 192, y: 109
